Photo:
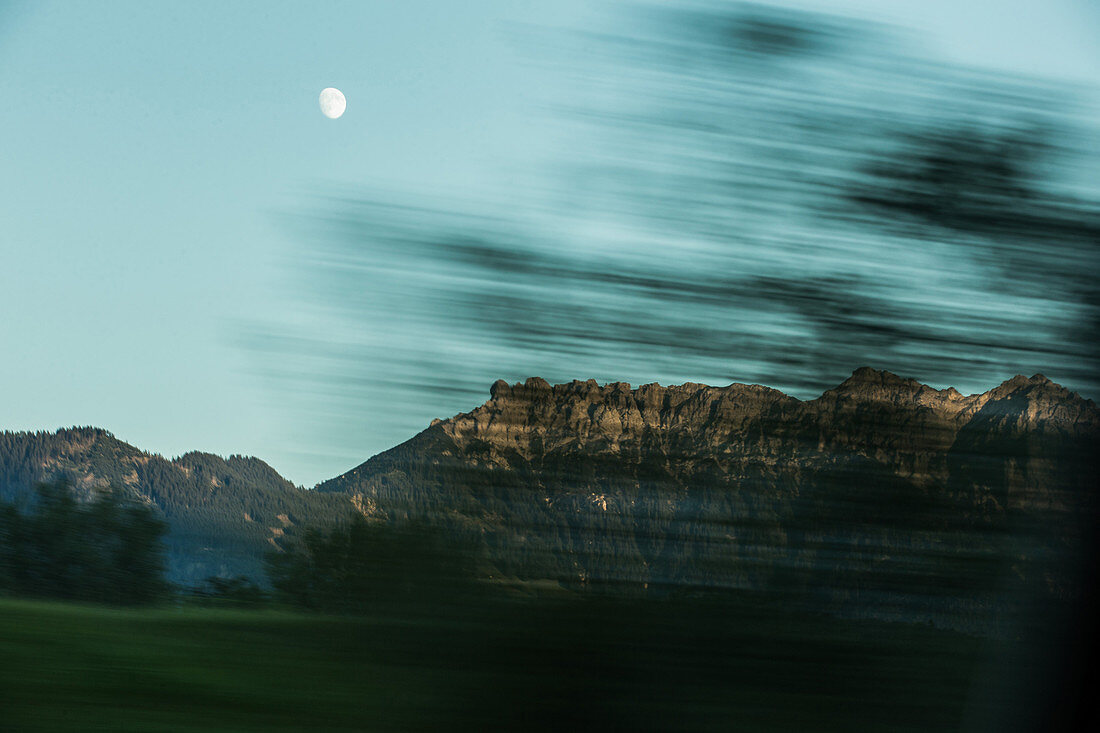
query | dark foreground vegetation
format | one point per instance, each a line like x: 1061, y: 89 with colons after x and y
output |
x: 108, y: 549
x: 518, y: 665
x: 397, y: 628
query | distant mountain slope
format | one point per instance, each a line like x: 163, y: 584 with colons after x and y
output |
x: 223, y: 513
x: 882, y: 493
x: 883, y: 496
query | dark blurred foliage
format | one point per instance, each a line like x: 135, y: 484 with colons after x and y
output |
x: 361, y: 567
x: 748, y: 194
x: 107, y: 550
x: 236, y: 592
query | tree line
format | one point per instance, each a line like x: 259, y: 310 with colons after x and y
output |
x: 106, y: 550
x: 111, y: 549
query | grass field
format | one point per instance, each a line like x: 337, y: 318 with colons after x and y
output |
x: 525, y: 666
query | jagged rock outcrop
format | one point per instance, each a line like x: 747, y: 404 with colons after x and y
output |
x: 881, y: 493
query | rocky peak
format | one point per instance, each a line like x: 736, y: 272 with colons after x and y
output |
x: 866, y: 376
x: 534, y: 415
x: 1036, y: 403
x: 531, y: 417
x: 867, y: 385
x: 1037, y: 386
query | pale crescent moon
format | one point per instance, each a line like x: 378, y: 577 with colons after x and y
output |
x: 332, y: 102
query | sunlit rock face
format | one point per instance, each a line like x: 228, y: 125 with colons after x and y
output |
x: 882, y: 496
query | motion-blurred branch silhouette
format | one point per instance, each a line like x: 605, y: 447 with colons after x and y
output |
x: 752, y: 195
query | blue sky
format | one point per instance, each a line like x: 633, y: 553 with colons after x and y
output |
x: 151, y: 150
x: 148, y: 150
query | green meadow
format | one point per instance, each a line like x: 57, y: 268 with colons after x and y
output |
x: 523, y: 666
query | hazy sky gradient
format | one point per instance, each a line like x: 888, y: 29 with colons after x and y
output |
x: 150, y: 153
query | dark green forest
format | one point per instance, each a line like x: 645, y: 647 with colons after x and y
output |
x: 369, y: 567
x: 223, y: 514
x: 107, y: 550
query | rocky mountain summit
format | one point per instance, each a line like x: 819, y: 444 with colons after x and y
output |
x: 873, y: 415
x: 882, y: 488
x: 594, y: 416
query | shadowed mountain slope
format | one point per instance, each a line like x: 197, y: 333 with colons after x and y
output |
x: 223, y: 513
x: 881, y: 496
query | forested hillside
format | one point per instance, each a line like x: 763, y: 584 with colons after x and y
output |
x: 223, y: 513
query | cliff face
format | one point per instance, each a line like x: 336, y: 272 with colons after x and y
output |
x: 926, y: 501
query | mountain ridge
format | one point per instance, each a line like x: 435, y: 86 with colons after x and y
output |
x: 926, y: 501
x: 864, y: 385
x: 844, y: 496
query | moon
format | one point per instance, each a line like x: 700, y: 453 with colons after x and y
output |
x: 332, y: 102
